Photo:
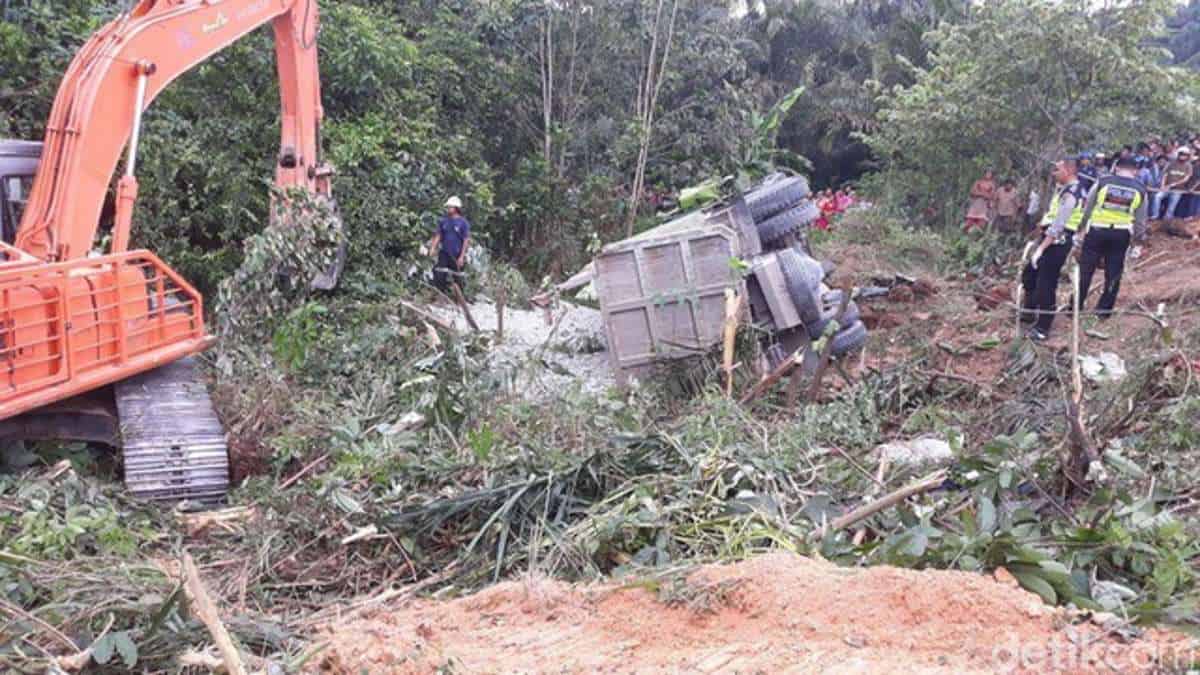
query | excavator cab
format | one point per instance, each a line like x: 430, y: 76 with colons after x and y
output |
x: 18, y: 164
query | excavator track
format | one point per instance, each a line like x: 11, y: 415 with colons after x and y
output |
x: 173, y: 444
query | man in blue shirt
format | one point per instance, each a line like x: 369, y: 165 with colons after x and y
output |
x: 1087, y: 170
x: 450, y: 243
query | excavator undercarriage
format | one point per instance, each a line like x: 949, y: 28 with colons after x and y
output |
x: 95, y: 346
x: 171, y: 443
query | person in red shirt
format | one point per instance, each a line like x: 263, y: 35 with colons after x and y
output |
x: 825, y: 202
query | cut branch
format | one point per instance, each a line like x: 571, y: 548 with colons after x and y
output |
x: 891, y: 499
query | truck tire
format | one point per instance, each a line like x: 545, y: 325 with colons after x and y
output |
x: 776, y: 196
x: 850, y: 339
x: 851, y: 317
x: 795, y: 218
x: 803, y: 277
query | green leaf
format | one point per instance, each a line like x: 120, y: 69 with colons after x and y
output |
x: 988, y: 344
x: 103, y: 649
x: 344, y: 501
x: 1033, y: 583
x: 126, y: 648
x: 779, y: 111
x: 699, y: 195
x: 1122, y: 464
x: 986, y: 515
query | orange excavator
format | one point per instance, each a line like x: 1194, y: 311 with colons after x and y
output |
x: 96, y: 345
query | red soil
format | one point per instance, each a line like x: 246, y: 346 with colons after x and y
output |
x: 775, y: 613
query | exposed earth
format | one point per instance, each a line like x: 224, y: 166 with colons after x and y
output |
x: 785, y: 613
x: 970, y: 321
x: 774, y: 613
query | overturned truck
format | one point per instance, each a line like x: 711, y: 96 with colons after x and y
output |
x: 662, y: 292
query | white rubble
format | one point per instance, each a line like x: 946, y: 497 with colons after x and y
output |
x: 545, y: 359
x: 916, y: 452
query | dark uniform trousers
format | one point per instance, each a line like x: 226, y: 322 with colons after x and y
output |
x: 1105, y: 245
x: 1041, y: 284
x: 441, y: 280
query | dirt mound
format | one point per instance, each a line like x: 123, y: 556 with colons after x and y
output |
x: 775, y: 613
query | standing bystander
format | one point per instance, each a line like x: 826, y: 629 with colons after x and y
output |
x: 979, y: 208
x: 1158, y: 174
x: 450, y: 243
x: 1032, y: 209
x: 1040, y: 276
x: 1087, y: 170
x: 1008, y: 205
x: 1176, y: 179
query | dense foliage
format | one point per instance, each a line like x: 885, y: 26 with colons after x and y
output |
x: 1019, y: 85
x: 526, y: 109
x: 530, y: 110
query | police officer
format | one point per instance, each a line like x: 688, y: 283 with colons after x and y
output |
x: 1115, y: 215
x: 1040, y: 277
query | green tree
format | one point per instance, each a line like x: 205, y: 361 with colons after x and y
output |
x: 1015, y: 87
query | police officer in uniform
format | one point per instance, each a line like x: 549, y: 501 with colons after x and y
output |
x: 1040, y: 277
x: 1115, y: 215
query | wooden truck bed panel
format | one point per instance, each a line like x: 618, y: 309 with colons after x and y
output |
x: 662, y: 293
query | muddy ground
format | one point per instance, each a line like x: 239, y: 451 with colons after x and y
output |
x: 971, y: 320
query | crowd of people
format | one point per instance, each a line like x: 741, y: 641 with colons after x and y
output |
x: 832, y: 204
x: 1169, y: 171
x: 1098, y: 213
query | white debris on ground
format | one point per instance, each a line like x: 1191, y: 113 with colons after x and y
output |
x: 545, y: 359
x: 917, y: 452
x: 1107, y: 367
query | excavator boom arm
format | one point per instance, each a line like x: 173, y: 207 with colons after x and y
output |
x: 120, y: 71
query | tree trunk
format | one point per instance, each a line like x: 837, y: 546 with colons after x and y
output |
x: 546, y: 59
x: 649, y: 87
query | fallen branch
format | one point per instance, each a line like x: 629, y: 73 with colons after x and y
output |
x: 429, y: 316
x: 462, y: 303
x: 501, y: 302
x: 198, y: 522
x: 767, y: 382
x: 887, y: 501
x: 935, y: 375
x: 882, y: 465
x: 793, y: 389
x: 1085, y: 453
x: 303, y: 472
x: 15, y: 611
x: 206, y: 661
x: 733, y: 310
x: 206, y: 611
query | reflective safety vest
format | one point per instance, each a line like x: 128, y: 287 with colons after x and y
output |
x: 1076, y: 216
x: 1116, y: 206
